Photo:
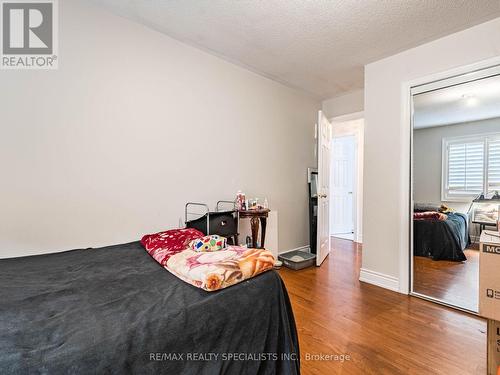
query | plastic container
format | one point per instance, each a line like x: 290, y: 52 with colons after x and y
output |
x: 297, y: 260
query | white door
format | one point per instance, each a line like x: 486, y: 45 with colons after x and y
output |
x: 324, y: 149
x: 342, y: 185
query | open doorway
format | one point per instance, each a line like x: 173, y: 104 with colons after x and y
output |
x: 346, y: 177
x: 342, y: 187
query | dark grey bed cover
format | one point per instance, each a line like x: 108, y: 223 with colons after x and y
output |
x: 114, y: 310
x: 442, y: 240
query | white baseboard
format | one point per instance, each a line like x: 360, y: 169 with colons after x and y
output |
x: 306, y: 249
x: 379, y: 279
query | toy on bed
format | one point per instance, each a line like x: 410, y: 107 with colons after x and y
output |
x: 208, y: 243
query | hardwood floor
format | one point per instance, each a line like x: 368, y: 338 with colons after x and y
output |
x: 382, y: 332
x: 456, y: 283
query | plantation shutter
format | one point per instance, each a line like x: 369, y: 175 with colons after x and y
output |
x: 494, y: 165
x: 465, y: 168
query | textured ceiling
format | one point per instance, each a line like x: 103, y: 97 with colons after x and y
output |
x: 320, y: 46
x: 472, y: 101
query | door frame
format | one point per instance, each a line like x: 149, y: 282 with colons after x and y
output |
x: 406, y: 213
x: 355, y: 128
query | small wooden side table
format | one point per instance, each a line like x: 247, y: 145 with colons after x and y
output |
x: 257, y: 216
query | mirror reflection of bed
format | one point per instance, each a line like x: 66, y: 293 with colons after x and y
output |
x: 456, y: 173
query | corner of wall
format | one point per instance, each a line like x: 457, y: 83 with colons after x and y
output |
x: 350, y: 102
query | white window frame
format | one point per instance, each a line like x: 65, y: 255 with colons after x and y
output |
x: 486, y: 138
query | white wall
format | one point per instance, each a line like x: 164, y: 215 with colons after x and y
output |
x: 344, y: 104
x: 427, y: 158
x: 133, y: 125
x: 387, y: 138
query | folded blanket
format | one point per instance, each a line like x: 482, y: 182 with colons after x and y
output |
x: 219, y: 269
x: 206, y: 270
x: 161, y: 246
x: 429, y: 215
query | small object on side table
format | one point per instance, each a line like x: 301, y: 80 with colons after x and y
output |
x: 255, y: 217
x: 240, y: 200
x: 248, y: 241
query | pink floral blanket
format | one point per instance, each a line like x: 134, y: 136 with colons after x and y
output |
x: 206, y: 270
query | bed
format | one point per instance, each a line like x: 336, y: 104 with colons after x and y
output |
x: 442, y: 240
x: 116, y: 310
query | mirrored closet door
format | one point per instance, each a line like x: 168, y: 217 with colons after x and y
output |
x: 455, y: 180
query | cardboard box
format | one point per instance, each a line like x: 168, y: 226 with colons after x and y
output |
x: 493, y: 347
x: 489, y: 276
